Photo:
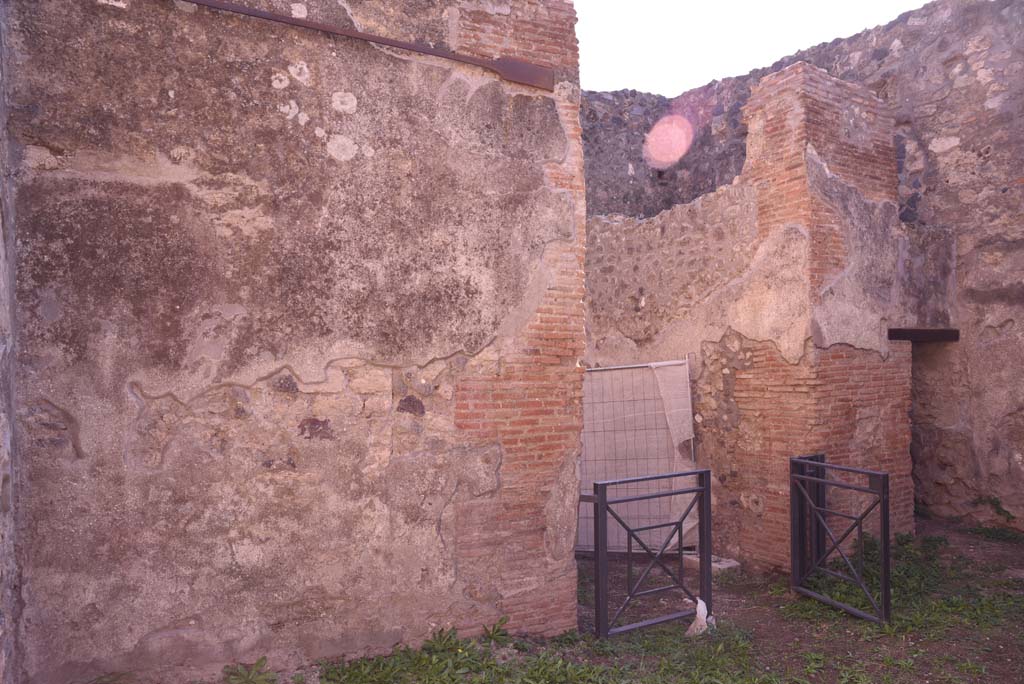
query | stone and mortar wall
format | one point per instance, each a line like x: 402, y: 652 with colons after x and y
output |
x: 298, y: 329
x: 783, y: 284
x: 953, y: 73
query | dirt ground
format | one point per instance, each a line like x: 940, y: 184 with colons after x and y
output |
x: 958, y: 600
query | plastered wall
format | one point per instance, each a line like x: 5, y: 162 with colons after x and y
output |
x: 264, y: 277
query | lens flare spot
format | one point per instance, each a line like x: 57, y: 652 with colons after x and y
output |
x: 667, y: 141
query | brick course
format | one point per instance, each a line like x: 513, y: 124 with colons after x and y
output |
x: 538, y: 31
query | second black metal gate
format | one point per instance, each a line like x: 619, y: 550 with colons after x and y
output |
x: 605, y: 514
x: 817, y: 548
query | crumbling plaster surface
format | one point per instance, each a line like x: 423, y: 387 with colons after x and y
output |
x: 954, y: 73
x: 658, y: 288
x: 880, y: 280
x: 253, y: 262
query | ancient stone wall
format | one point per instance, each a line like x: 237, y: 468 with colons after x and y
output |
x: 952, y: 74
x: 783, y: 285
x: 298, y: 328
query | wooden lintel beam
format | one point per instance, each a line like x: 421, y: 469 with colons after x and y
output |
x: 925, y: 334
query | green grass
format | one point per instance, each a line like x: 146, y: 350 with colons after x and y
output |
x: 660, y: 655
x: 930, y: 596
x: 814, y: 663
x: 256, y: 673
x: 497, y: 634
x: 996, y: 505
x: 1000, y: 534
x: 447, y: 659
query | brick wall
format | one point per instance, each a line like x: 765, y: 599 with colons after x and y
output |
x: 852, y: 404
x: 531, y: 404
x: 538, y: 31
x: 529, y: 399
x: 863, y: 418
x: 849, y: 128
x: 776, y: 403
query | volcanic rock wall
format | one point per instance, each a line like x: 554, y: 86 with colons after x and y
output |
x: 298, y: 328
x: 953, y: 72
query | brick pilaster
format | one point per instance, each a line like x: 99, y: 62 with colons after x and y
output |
x: 529, y: 398
x: 853, y: 404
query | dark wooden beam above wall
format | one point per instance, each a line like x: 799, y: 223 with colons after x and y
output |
x: 508, y: 68
x: 925, y: 334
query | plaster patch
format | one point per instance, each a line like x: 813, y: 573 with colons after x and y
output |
x: 303, y: 118
x: 37, y: 157
x: 995, y: 101
x: 342, y: 148
x: 344, y: 102
x: 501, y: 7
x: 299, y: 10
x: 181, y: 154
x: 289, y: 110
x: 187, y: 7
x: 279, y: 81
x: 940, y: 145
x: 300, y: 72
x: 121, y: 4
x: 320, y: 133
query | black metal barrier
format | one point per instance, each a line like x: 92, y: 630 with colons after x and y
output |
x: 604, y: 509
x: 814, y: 542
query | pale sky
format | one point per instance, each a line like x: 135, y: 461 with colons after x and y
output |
x: 670, y: 46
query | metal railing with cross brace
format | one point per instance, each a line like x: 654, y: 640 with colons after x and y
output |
x: 655, y: 554
x: 816, y: 549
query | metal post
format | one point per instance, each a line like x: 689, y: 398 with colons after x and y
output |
x: 797, y: 524
x: 819, y: 492
x: 629, y: 562
x: 884, y: 543
x: 704, y: 541
x: 682, y: 558
x: 601, y: 559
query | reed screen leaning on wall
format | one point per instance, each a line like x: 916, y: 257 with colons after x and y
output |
x: 637, y: 421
